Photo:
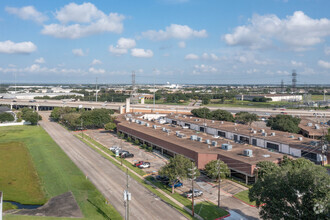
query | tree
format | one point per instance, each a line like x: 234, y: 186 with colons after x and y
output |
x: 211, y: 169
x: 286, y: 123
x: 202, y: 112
x: 96, y: 118
x: 222, y: 115
x: 177, y: 169
x: 246, y: 117
x: 6, y: 117
x: 110, y: 126
x: 327, y: 137
x: 297, y: 189
x: 31, y: 116
x: 206, y: 100
x: 71, y: 120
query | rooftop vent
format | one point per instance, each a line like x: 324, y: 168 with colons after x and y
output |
x: 154, y: 126
x: 300, y: 138
x: 264, y: 134
x: 254, y: 132
x: 247, y: 152
x: 214, y: 143
x: 221, y: 122
x: 309, y: 124
x: 193, y: 137
x: 272, y: 134
x: 226, y: 146
x: 200, y: 139
x: 266, y: 155
x: 291, y: 136
x: 163, y: 129
x: 212, y: 121
x: 208, y: 141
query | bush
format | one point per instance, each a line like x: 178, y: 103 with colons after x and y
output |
x: 137, y: 142
x: 149, y: 149
x: 129, y: 139
x: 144, y: 146
x: 6, y: 117
x: 286, y: 123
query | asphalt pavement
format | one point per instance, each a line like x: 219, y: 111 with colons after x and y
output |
x: 109, y: 179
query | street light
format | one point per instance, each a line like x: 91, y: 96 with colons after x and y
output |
x: 192, y: 175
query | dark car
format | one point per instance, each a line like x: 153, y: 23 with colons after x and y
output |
x: 163, y: 179
x: 127, y: 155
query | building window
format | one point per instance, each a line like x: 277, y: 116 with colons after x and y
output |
x: 244, y: 139
x: 222, y: 134
x: 187, y: 125
x: 274, y: 147
x: 235, y: 137
x: 309, y: 155
x: 201, y: 129
x: 174, y: 122
x: 254, y: 142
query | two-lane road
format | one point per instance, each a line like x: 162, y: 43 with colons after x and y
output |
x: 109, y: 179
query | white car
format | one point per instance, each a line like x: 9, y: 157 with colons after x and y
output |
x: 144, y: 165
x: 196, y: 193
x: 114, y: 148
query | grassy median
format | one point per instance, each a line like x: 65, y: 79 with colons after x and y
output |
x: 57, y: 173
x: 244, y: 196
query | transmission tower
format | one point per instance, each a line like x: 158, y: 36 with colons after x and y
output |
x: 294, y: 80
x: 133, y: 94
x: 282, y: 86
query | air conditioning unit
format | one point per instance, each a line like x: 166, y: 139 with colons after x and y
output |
x: 215, y: 136
x: 264, y: 134
x: 208, y: 141
x: 226, y: 146
x: 181, y: 135
x: 291, y: 136
x: 200, y: 139
x: 214, y: 143
x: 193, y: 137
x: 300, y: 138
x: 272, y: 134
x: 254, y: 132
x: 309, y: 124
x: 147, y: 124
x: 262, y: 130
x: 212, y: 121
x: 163, y: 129
x: 221, y: 122
x: 154, y: 126
x: 247, y: 152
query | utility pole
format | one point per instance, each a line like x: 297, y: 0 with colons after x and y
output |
x: 154, y: 91
x: 96, y: 89
x: 127, y: 197
x: 192, y: 175
x: 81, y: 126
x: 218, y: 170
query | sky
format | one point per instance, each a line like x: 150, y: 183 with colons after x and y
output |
x: 165, y: 41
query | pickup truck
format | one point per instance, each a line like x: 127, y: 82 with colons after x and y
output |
x: 197, y: 193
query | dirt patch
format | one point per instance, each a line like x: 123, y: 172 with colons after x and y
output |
x: 63, y: 205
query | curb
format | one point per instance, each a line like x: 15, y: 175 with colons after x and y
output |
x: 248, y: 203
x: 223, y: 217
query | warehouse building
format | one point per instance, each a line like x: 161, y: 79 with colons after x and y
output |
x: 172, y: 139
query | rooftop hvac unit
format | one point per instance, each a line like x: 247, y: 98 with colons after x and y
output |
x: 291, y: 136
x: 184, y: 116
x: 309, y: 124
x: 254, y: 132
x: 226, y: 146
x: 185, y: 127
x: 266, y: 155
x: 264, y: 134
x: 235, y: 123
x: 215, y: 136
x: 127, y: 119
x: 317, y: 127
x: 193, y: 137
x: 142, y: 123
x: 177, y: 133
x: 200, y: 139
x: 262, y: 130
x: 221, y: 122
x: 214, y: 143
x: 247, y: 152
x: 212, y: 121
x: 190, y: 117
x: 147, y: 124
x: 204, y: 124
x: 208, y: 141
x: 154, y: 126
x: 163, y: 129
x: 196, y: 119
x: 300, y: 138
x: 129, y: 115
x: 133, y: 120
x: 182, y: 135
x: 168, y: 130
x: 272, y: 134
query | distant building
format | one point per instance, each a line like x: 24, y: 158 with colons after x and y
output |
x: 274, y: 97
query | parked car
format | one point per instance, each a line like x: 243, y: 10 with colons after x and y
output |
x: 144, y: 165
x: 197, y: 193
x: 114, y: 148
x: 122, y: 152
x: 139, y: 163
x: 127, y: 155
x: 177, y: 184
x: 163, y: 179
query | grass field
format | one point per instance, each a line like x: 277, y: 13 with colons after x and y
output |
x: 162, y: 102
x: 216, y: 103
x: 209, y: 211
x: 244, y: 196
x: 57, y: 173
x: 19, y: 180
x: 320, y: 97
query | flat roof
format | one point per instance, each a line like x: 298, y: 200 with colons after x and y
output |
x: 312, y: 131
x: 245, y: 130
x: 201, y: 147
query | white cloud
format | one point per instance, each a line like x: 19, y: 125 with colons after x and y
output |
x: 204, y: 69
x: 123, y: 44
x: 182, y: 44
x: 297, y: 31
x: 210, y: 56
x: 296, y: 63
x: 78, y: 52
x: 324, y: 64
x: 126, y: 43
x: 191, y: 56
x: 96, y: 71
x: 96, y: 62
x: 40, y: 60
x: 27, y: 13
x: 327, y: 50
x: 175, y: 31
x: 251, y: 71
x: 281, y: 72
x: 136, y: 52
x: 22, y: 47
x: 87, y: 20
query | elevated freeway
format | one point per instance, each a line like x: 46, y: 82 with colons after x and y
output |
x: 50, y: 104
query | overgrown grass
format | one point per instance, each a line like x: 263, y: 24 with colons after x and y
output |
x: 18, y: 178
x: 163, y: 102
x: 238, y: 103
x: 57, y: 173
x: 209, y: 211
x: 8, y: 206
x: 244, y: 196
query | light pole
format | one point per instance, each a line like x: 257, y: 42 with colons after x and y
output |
x: 218, y: 172
x: 127, y: 197
x: 81, y: 126
x: 192, y: 175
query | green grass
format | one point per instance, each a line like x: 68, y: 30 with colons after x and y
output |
x: 244, y: 196
x: 209, y: 211
x: 8, y: 206
x: 250, y: 104
x: 320, y: 97
x: 57, y: 173
x: 162, y: 102
x: 18, y: 178
x: 125, y: 162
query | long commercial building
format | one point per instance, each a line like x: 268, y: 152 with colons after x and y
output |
x: 287, y: 143
x: 172, y: 139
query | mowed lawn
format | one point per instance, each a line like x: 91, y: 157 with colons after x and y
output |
x: 19, y: 180
x: 57, y: 173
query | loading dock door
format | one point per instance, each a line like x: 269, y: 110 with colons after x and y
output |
x: 244, y: 139
x: 235, y: 137
x: 254, y: 142
x: 274, y: 147
x: 222, y: 134
x: 201, y: 129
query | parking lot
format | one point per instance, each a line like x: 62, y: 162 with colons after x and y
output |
x: 109, y: 139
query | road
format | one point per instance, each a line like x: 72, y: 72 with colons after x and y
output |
x: 158, y: 108
x: 109, y: 179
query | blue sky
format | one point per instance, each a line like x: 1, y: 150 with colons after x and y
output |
x: 176, y: 41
